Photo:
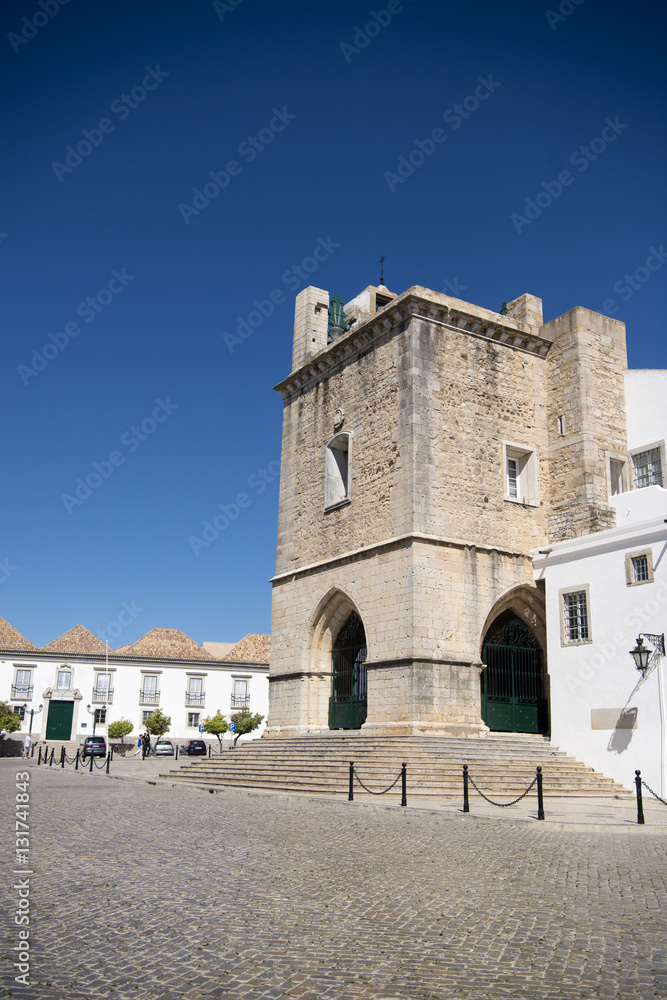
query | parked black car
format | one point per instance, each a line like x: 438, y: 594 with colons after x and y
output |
x: 195, y: 747
x: 94, y: 746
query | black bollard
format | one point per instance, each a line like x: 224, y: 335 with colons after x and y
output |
x: 39, y: 759
x: 466, y: 804
x: 350, y: 793
x: 109, y: 760
x: 62, y: 758
x: 111, y: 752
x: 404, y: 796
x: 540, y: 796
x: 209, y: 751
x: 640, y: 804
x: 53, y: 753
x: 76, y: 761
x: 32, y: 752
x: 176, y: 758
x: 92, y: 759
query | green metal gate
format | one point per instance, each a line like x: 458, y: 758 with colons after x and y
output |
x: 59, y: 722
x: 512, y: 686
x: 347, y: 704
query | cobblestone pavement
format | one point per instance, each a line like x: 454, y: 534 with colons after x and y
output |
x: 151, y: 892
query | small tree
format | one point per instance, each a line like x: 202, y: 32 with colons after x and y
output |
x: 158, y: 724
x: 245, y: 723
x: 9, y: 719
x: 216, y: 725
x: 120, y: 729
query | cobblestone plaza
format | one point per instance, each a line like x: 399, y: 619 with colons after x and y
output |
x: 155, y: 892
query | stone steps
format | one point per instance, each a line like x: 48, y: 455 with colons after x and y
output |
x: 500, y: 765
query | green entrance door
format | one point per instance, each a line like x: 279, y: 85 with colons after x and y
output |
x: 347, y: 704
x: 512, y: 687
x: 59, y: 722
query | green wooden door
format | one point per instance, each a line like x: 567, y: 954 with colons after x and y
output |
x: 511, y: 684
x: 347, y: 704
x: 59, y: 722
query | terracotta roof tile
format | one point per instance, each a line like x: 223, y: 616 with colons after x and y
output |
x: 167, y: 643
x: 77, y: 640
x: 254, y: 648
x: 11, y: 639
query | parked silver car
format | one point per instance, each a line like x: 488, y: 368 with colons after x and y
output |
x: 164, y: 748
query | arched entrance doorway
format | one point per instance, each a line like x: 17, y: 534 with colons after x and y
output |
x: 347, y: 703
x: 512, y: 682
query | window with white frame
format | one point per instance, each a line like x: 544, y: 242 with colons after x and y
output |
x: 64, y: 680
x: 639, y: 567
x: 102, y: 690
x: 100, y: 716
x: 144, y: 717
x: 575, y: 616
x: 22, y: 686
x: 193, y: 720
x: 520, y: 474
x: 647, y: 468
x: 240, y: 696
x: 337, y: 472
x: 20, y: 711
x: 195, y: 691
x: 149, y: 693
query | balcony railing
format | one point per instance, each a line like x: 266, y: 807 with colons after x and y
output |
x: 22, y: 691
x: 103, y: 696
x: 240, y: 700
x: 149, y: 697
x: 195, y: 699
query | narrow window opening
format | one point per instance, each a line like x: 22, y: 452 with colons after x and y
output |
x: 615, y: 476
x: 337, y: 472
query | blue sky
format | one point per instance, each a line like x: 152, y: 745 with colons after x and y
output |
x: 121, y: 282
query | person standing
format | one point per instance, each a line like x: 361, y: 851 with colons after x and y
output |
x: 146, y: 746
x: 140, y: 745
x: 26, y: 746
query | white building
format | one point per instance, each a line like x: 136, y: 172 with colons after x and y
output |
x: 602, y: 591
x: 80, y: 684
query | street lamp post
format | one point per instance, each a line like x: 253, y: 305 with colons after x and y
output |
x: 92, y: 712
x: 642, y: 657
x: 33, y: 713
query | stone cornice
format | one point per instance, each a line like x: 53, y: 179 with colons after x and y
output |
x: 391, y: 543
x: 453, y: 314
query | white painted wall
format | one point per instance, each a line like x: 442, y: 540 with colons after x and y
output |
x: 601, y: 674
x: 646, y: 405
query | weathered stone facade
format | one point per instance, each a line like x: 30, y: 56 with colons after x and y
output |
x: 427, y: 398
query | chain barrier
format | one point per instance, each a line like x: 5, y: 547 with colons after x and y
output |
x: 501, y: 804
x: 649, y: 789
x: 401, y: 776
x: 78, y: 760
x: 370, y: 790
x: 537, y: 780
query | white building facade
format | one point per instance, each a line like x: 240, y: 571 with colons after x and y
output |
x: 81, y: 686
x: 603, y: 591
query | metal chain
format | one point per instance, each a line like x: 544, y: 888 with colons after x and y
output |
x: 387, y: 789
x: 653, y: 793
x: 69, y: 760
x: 502, y: 804
x: 103, y: 764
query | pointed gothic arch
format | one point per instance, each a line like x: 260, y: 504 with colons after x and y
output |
x: 514, y: 680
x: 338, y: 652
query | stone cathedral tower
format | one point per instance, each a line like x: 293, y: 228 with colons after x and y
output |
x: 429, y: 445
